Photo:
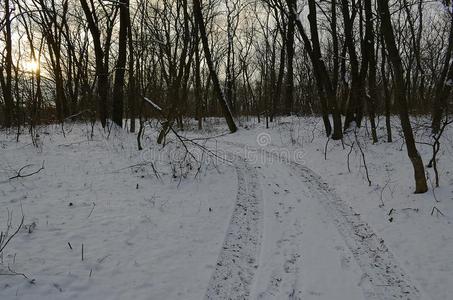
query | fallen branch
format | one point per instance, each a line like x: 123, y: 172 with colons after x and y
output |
x: 142, y: 164
x: 349, y: 155
x: 382, y: 193
x: 14, y: 273
x: 152, y: 104
x: 184, y: 139
x: 20, y: 175
x: 435, y: 209
x: 5, y: 238
x: 363, y: 158
x: 94, y: 205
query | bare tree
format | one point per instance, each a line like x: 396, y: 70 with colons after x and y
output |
x: 6, y: 80
x: 400, y: 97
x: 444, y: 82
x: 207, y: 52
x: 326, y: 91
x: 101, y: 53
x: 118, y: 87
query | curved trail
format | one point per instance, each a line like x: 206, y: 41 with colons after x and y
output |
x: 384, y: 278
x: 238, y: 259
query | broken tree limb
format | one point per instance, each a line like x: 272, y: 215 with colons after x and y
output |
x: 21, y: 175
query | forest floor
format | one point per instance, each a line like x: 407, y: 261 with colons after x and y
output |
x: 276, y: 213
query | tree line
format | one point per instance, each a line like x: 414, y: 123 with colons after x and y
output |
x: 347, y: 61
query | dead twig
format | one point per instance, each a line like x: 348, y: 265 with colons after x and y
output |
x: 349, y: 154
x: 21, y: 175
x: 5, y: 238
x: 382, y: 192
x: 94, y: 205
x: 363, y: 158
x: 14, y: 273
x: 438, y: 212
x: 432, y: 187
x: 142, y: 164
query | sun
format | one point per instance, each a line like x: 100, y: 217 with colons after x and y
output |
x: 32, y: 66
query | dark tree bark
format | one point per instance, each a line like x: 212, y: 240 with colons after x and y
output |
x: 354, y: 106
x: 289, y: 93
x: 53, y: 20
x: 7, y: 81
x: 387, y: 96
x: 278, y: 90
x: 400, y: 97
x: 333, y: 28
x: 232, y: 25
x: 177, y: 75
x: 118, y: 87
x: 215, y: 80
x: 325, y: 90
x: 132, y: 92
x: 197, y: 79
x: 369, y: 55
x: 100, y: 55
x: 444, y: 83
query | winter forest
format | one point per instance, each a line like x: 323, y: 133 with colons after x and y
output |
x: 226, y: 149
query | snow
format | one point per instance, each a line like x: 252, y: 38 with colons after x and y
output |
x: 421, y: 242
x: 239, y: 257
x: 144, y: 239
x: 270, y: 218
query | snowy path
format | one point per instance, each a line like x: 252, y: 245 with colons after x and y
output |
x: 238, y: 259
x: 314, y: 245
x: 379, y: 266
x: 265, y: 227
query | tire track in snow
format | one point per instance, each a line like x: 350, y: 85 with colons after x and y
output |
x: 238, y: 259
x: 379, y: 266
x: 281, y: 257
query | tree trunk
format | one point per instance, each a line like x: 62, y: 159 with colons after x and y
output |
x: 368, y: 47
x: 322, y: 80
x: 387, y: 100
x: 7, y: 84
x: 197, y: 75
x: 289, y: 94
x: 321, y: 70
x: 354, y: 106
x: 278, y: 88
x: 101, y: 68
x: 118, y: 88
x: 215, y: 80
x: 400, y: 97
x: 131, y: 93
x: 442, y: 87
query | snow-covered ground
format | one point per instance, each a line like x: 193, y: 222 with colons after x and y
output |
x: 268, y: 214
